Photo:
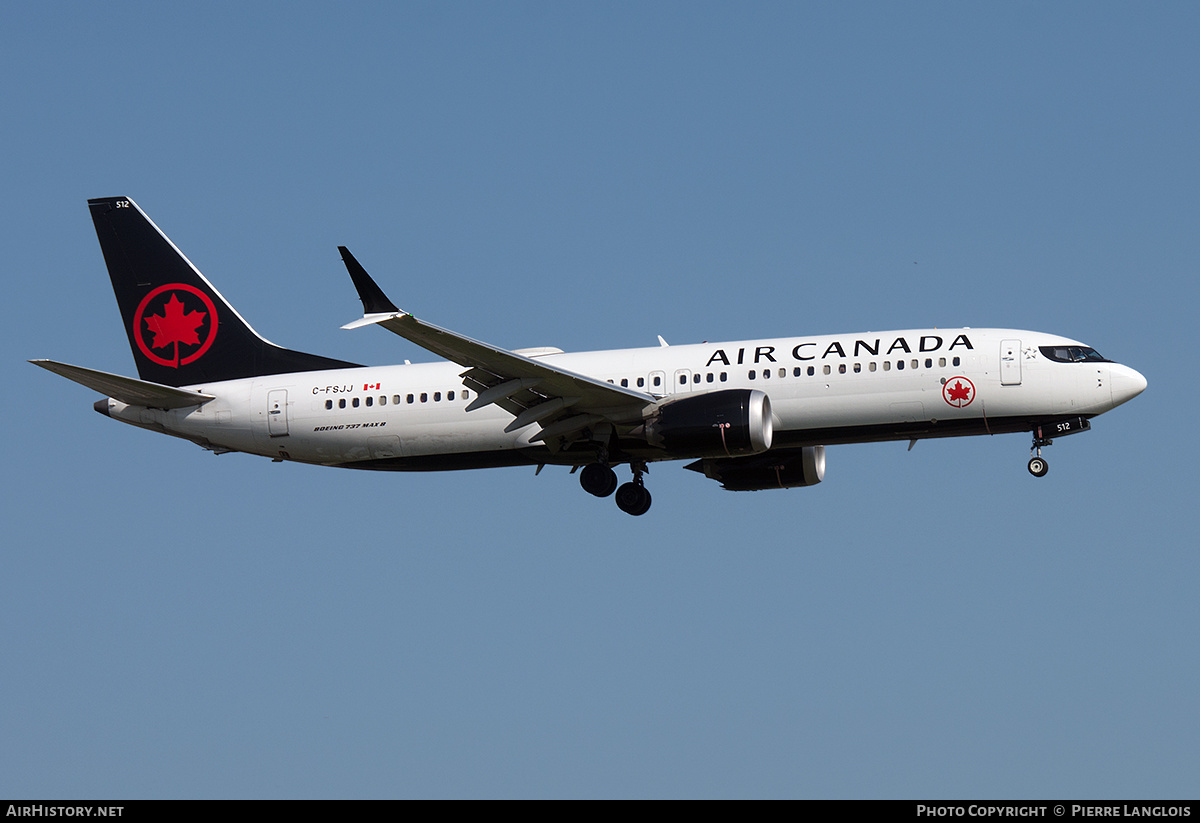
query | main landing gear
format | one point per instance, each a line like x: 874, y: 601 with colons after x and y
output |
x: 600, y: 480
x: 633, y: 497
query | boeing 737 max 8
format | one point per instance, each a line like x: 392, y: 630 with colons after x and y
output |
x: 754, y: 414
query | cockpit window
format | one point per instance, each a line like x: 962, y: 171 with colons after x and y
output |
x: 1073, y: 354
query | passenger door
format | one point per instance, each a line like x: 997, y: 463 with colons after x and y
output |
x: 277, y: 422
x: 1010, y: 363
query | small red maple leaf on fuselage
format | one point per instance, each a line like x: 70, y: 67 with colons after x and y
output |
x: 958, y: 392
x: 175, y: 326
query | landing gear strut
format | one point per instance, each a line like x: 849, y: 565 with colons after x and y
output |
x: 633, y: 497
x: 1037, y: 464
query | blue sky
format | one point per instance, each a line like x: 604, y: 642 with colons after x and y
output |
x: 933, y: 623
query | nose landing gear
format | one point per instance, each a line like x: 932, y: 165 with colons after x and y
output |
x: 1060, y: 428
x: 1037, y: 464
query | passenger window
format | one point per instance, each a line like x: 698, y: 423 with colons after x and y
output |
x: 899, y: 365
x: 842, y: 368
x: 709, y: 377
x: 916, y: 364
x: 411, y: 398
x: 871, y: 366
x: 696, y: 377
x: 941, y: 361
x: 342, y: 403
x: 752, y: 374
x: 657, y: 381
x: 826, y: 370
x: 929, y: 362
x: 624, y: 384
x: 395, y: 399
x: 796, y: 372
x: 957, y: 361
x: 724, y: 377
x: 683, y: 379
x: 766, y: 373
x: 437, y: 397
x: 354, y: 402
x: 383, y: 399
x: 424, y: 397
x: 329, y: 404
x: 812, y: 370
x: 641, y: 382
x: 449, y: 395
x: 370, y: 401
x: 857, y: 368
x: 887, y: 365
x: 465, y: 394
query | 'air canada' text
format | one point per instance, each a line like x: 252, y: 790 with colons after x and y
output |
x: 838, y: 348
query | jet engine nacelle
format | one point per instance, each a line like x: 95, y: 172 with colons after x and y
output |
x: 786, y: 470
x: 725, y: 423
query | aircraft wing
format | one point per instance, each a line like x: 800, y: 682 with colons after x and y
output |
x: 563, y: 402
x: 127, y: 389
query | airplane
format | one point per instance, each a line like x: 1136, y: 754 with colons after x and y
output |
x: 752, y: 414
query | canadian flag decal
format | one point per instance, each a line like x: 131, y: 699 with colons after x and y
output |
x: 369, y: 386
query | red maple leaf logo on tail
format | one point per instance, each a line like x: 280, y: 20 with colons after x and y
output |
x: 175, y: 326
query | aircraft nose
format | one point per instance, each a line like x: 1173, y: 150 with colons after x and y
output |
x: 1126, y: 383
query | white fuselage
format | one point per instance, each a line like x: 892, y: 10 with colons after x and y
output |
x: 822, y: 390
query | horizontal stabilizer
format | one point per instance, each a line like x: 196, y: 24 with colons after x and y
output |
x: 128, y: 390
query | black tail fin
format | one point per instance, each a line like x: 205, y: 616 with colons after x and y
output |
x: 181, y: 330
